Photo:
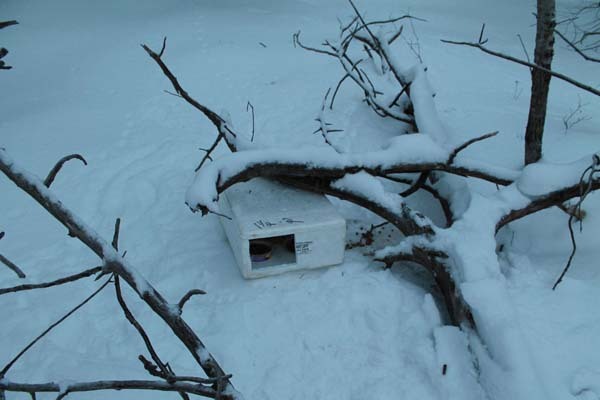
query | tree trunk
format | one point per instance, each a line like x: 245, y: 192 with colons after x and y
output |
x: 540, y: 80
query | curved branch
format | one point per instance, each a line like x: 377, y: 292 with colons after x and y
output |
x: 458, y: 310
x: 57, y: 167
x: 543, y: 202
x: 444, y: 203
x: 187, y: 296
x: 417, y: 184
x: 467, y: 144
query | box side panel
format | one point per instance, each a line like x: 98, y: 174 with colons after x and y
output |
x: 239, y: 246
x: 324, y: 245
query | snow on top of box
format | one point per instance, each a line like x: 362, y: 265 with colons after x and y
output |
x: 261, y: 205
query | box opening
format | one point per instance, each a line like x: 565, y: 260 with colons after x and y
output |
x: 272, y: 251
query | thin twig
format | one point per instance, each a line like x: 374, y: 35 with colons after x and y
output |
x: 524, y: 48
x: 66, y: 279
x: 187, y: 296
x: 481, y: 39
x: 57, y: 167
x: 213, y: 117
x: 444, y: 203
x: 354, y: 66
x: 467, y: 144
x: 12, y: 266
x: 6, y: 24
x: 115, y: 241
x: 55, y: 324
x: 138, y: 327
x: 296, y: 41
x: 249, y: 105
x: 417, y: 184
x: 162, y: 49
x: 585, y: 188
x: 577, y: 49
x: 209, y: 151
x: 396, y: 35
x: 558, y: 75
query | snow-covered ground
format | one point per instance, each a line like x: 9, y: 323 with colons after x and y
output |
x: 81, y: 83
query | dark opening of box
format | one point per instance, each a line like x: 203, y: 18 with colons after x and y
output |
x: 273, y: 251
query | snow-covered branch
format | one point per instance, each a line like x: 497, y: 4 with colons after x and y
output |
x: 64, y: 389
x: 405, y: 154
x: 115, y: 263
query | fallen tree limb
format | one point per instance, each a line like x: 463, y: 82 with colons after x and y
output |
x: 52, y: 387
x: 114, y: 263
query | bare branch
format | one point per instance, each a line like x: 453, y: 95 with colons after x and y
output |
x: 249, y: 105
x: 524, y: 48
x: 296, y: 40
x: 49, y: 387
x: 138, y: 327
x: 67, y: 279
x: 585, y: 188
x: 543, y: 202
x: 12, y: 266
x: 209, y: 151
x: 467, y: 144
x: 444, y: 203
x: 115, y: 263
x: 215, y: 118
x: 57, y: 167
x: 481, y: 39
x: 555, y: 74
x: 396, y: 35
x: 577, y: 49
x: 115, y: 241
x: 162, y: 49
x: 6, y: 24
x: 188, y: 296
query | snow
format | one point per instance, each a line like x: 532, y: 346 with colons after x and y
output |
x: 367, y: 185
x: 81, y: 83
x: 543, y: 177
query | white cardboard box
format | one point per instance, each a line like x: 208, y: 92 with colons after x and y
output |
x: 304, y: 229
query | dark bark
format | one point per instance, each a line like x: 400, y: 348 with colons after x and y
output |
x: 540, y: 80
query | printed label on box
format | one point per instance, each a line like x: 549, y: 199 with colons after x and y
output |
x: 303, y: 247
